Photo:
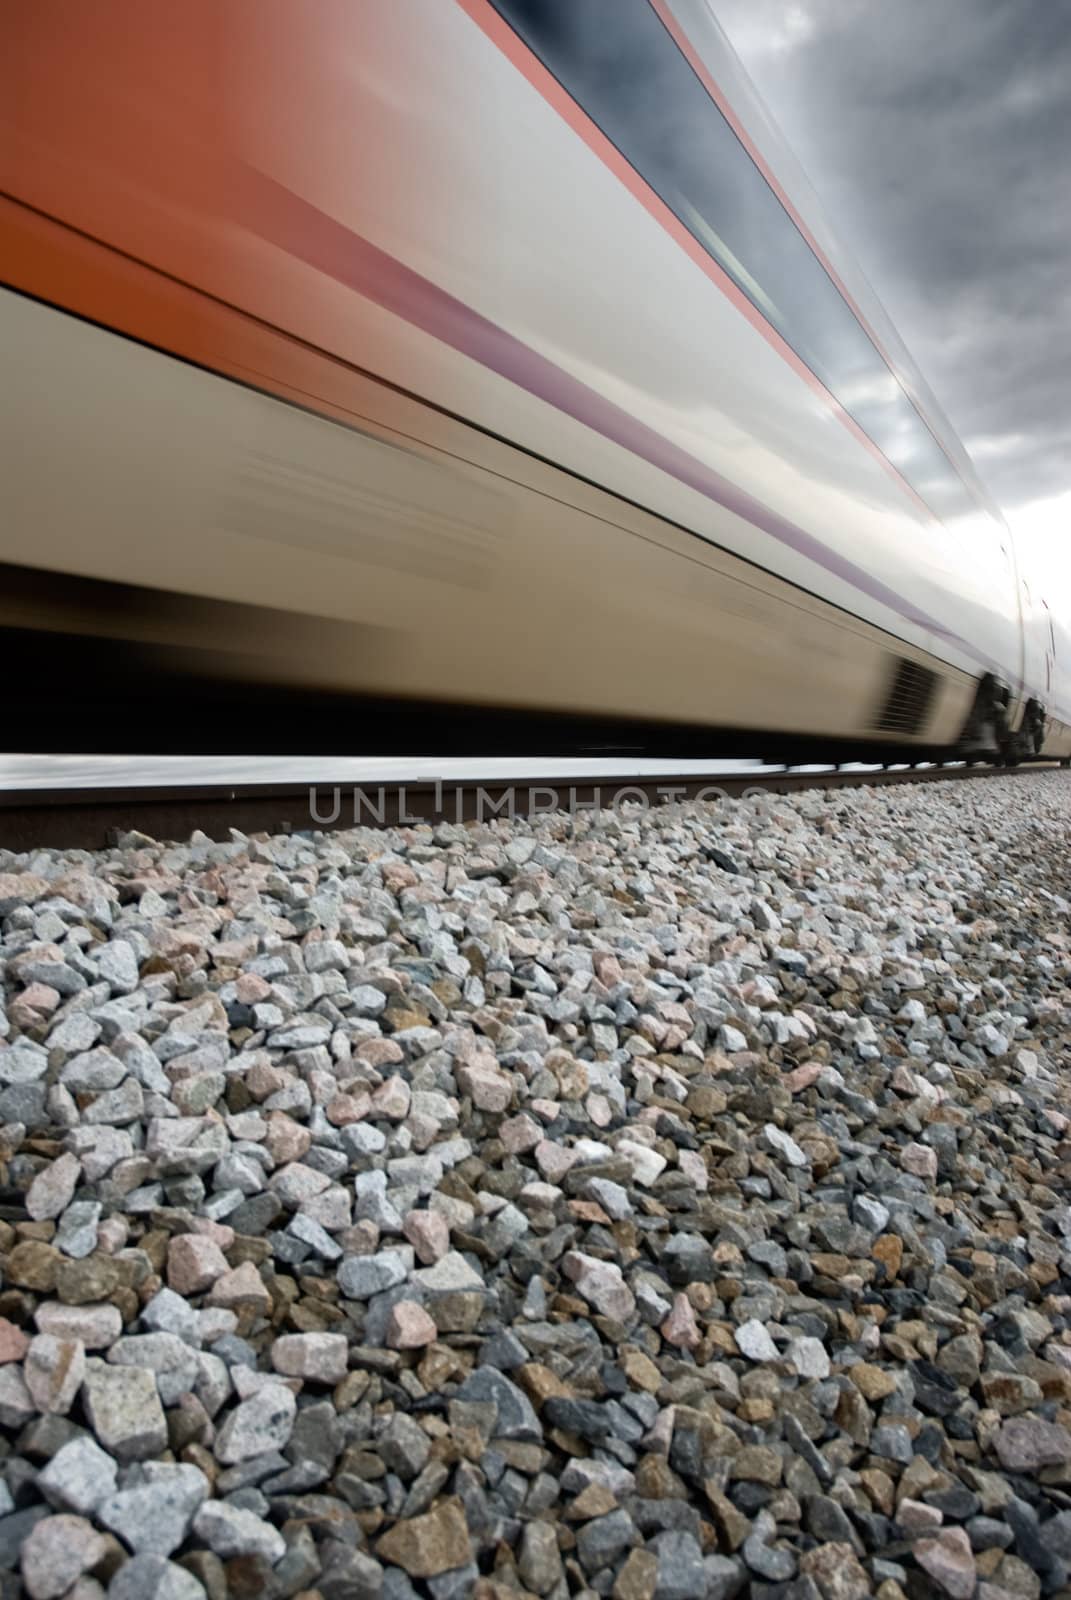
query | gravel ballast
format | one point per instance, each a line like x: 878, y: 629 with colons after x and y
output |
x: 658, y: 1205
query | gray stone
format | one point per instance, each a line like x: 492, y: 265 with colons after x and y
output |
x: 262, y: 1423
x: 154, y: 1578
x: 681, y: 1574
x: 783, y: 1144
x: 117, y: 964
x: 516, y: 1417
x: 753, y: 1340
x: 154, y: 1516
x: 124, y: 1411
x: 724, y: 1578
x: 168, y: 1312
x: 76, y: 1235
x: 233, y: 1532
x: 14, y: 1529
x: 78, y: 1478
x: 539, y: 1561
x: 600, y: 1542
x: 174, y: 1364
x: 360, y: 1277
x: 404, y: 1446
x: 892, y: 1441
x: 50, y: 1192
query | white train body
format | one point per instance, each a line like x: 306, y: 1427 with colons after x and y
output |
x: 451, y: 332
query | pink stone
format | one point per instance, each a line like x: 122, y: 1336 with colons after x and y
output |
x: 57, y: 1552
x: 239, y: 1289
x: 1026, y: 1444
x: 95, y: 1326
x: 36, y: 1002
x: 903, y: 1080
x: 949, y: 1560
x: 41, y: 996
x: 286, y: 1140
x: 599, y: 1110
x: 429, y: 1234
x: 409, y: 1327
x: 379, y: 1052
x: 601, y: 1284
x: 487, y: 1088
x: 520, y: 1134
x: 919, y: 1160
x: 219, y: 1232
x: 250, y: 989
x: 553, y: 1160
x: 194, y: 1263
x: 345, y: 1109
x: 13, y: 1342
x: 915, y: 1516
x: 391, y: 1099
x: 607, y: 968
x: 680, y: 1327
x: 802, y: 1078
x: 21, y: 887
x: 694, y: 1168
x: 546, y: 1110
x: 112, y: 1235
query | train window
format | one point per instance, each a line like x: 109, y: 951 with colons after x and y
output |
x: 619, y: 62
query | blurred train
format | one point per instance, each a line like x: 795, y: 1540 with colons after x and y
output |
x: 437, y: 373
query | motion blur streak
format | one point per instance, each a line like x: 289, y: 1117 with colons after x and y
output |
x: 383, y: 382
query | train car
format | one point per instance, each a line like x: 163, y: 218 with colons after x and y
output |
x: 450, y: 371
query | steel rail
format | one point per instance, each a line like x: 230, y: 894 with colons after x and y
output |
x: 98, y: 818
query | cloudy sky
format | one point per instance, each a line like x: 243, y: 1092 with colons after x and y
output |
x: 938, y: 136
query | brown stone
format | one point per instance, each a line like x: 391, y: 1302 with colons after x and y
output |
x: 733, y: 1527
x: 836, y: 1570
x: 82, y: 1283
x: 656, y: 1480
x: 757, y: 1463
x: 880, y: 1489
x: 854, y: 1416
x: 425, y: 1546
x: 638, y: 1578
x: 873, y: 1383
x: 641, y: 1371
x: 33, y: 1265
x: 541, y: 1384
x: 593, y: 1501
x: 889, y: 1251
x: 756, y: 1409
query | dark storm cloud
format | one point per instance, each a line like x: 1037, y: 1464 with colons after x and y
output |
x: 938, y: 136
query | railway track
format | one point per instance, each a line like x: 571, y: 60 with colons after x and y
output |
x: 95, y: 818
